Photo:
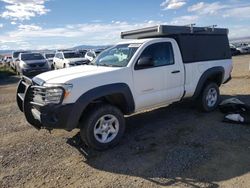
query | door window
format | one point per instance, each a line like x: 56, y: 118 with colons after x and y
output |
x: 160, y: 53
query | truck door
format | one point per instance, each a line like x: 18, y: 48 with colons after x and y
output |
x: 159, y: 82
x: 174, y: 74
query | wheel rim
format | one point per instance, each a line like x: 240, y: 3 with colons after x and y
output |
x: 106, y: 128
x: 211, y: 98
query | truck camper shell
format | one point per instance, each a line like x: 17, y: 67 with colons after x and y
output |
x: 196, y: 43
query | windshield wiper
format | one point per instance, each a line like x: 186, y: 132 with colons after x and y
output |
x: 107, y: 65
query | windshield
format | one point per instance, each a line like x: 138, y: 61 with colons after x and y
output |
x: 16, y: 54
x: 34, y: 56
x: 71, y: 55
x: 49, y: 55
x: 117, y: 56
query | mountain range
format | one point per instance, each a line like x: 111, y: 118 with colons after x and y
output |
x: 81, y: 47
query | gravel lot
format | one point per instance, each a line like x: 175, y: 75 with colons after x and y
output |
x: 172, y: 146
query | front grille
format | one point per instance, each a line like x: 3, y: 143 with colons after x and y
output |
x: 80, y: 62
x: 36, y: 65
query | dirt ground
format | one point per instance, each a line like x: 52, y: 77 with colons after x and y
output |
x: 172, y: 146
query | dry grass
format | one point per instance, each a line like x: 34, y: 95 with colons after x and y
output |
x: 5, y: 71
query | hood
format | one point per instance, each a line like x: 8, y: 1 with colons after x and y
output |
x: 73, y: 60
x: 68, y: 74
x: 34, y: 61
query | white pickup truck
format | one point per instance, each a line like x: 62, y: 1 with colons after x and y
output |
x: 163, y: 65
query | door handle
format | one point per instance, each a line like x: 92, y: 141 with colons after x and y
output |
x: 176, y: 71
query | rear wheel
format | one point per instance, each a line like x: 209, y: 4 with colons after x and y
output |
x: 103, y: 127
x: 209, y: 98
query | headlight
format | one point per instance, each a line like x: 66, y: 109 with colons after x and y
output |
x: 52, y: 93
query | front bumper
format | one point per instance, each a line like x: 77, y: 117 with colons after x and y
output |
x: 48, y: 116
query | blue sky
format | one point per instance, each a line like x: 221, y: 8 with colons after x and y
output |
x: 49, y: 24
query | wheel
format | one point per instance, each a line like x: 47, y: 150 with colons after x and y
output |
x: 64, y: 66
x: 209, y: 98
x: 55, y: 67
x: 103, y: 127
x: 52, y: 67
x: 18, y: 71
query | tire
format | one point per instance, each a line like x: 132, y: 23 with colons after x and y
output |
x: 55, y: 67
x: 209, y: 97
x: 18, y: 71
x: 103, y: 127
x: 64, y: 66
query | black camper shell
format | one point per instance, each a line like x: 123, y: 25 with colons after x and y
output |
x: 195, y: 43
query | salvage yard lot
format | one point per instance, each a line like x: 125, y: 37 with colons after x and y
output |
x: 171, y: 146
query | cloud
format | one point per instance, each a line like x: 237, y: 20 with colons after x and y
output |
x: 172, y: 4
x: 31, y: 27
x: 79, y: 30
x: 67, y: 36
x: 36, y: 37
x: 4, y: 47
x: 184, y: 20
x: 207, y: 8
x: 232, y: 10
x: 23, y: 9
x: 1, y: 25
x: 238, y: 12
x: 237, y: 31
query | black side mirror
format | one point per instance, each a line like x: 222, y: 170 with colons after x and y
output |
x: 145, y: 62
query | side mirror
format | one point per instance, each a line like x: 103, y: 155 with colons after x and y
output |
x: 145, y: 62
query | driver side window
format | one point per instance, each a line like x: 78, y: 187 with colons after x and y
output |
x: 161, y: 54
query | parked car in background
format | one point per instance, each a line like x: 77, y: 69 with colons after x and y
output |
x: 82, y: 52
x: 49, y: 57
x: 234, y: 50
x: 31, y: 64
x: 15, y: 56
x: 65, y: 59
x: 7, y: 60
x: 92, y: 54
x: 243, y: 49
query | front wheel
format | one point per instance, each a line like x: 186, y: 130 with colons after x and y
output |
x: 102, y: 127
x: 52, y: 67
x: 209, y: 98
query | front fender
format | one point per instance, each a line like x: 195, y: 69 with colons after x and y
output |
x: 85, y: 99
